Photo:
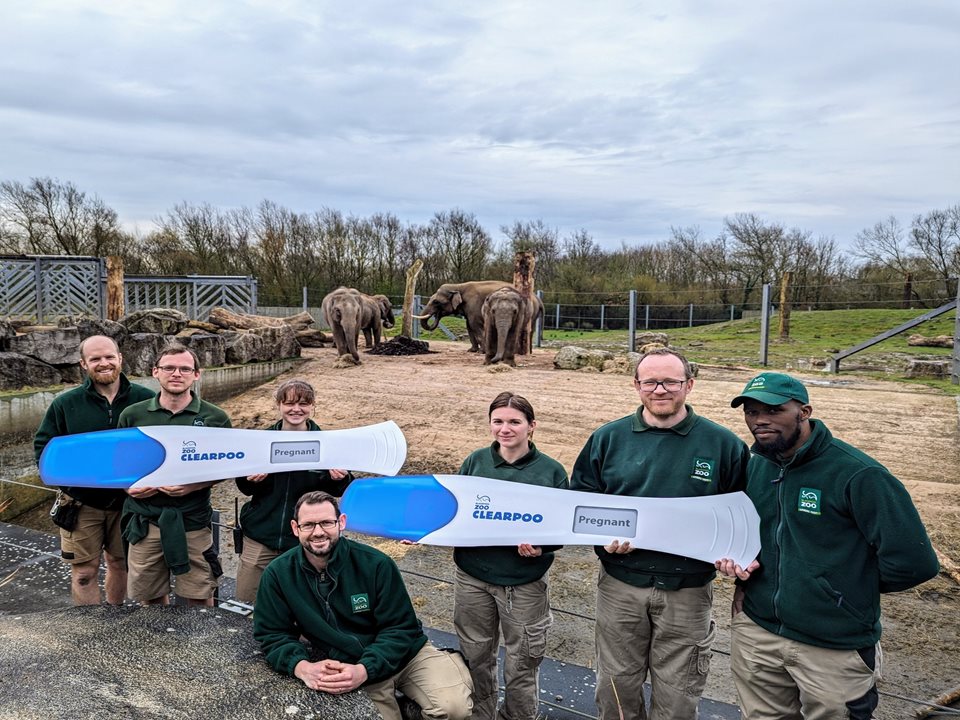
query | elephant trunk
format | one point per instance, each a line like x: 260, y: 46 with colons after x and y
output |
x: 426, y: 324
x: 503, y: 332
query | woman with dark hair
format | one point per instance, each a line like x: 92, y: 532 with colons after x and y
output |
x: 503, y: 589
x: 265, y: 518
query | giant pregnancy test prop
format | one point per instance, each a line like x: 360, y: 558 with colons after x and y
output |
x: 470, y: 511
x: 180, y: 455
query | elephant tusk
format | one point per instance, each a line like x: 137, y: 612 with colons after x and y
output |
x: 422, y: 317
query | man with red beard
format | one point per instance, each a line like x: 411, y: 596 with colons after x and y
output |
x: 836, y: 530
x: 654, y: 608
x: 95, y: 405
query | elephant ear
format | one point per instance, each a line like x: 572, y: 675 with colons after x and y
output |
x: 456, y: 300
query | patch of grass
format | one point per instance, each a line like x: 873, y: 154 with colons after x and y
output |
x: 814, y: 335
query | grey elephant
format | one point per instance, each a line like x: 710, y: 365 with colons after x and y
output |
x: 505, y: 314
x: 343, y: 311
x: 377, y: 312
x: 462, y: 299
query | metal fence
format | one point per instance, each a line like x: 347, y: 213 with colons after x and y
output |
x: 42, y: 288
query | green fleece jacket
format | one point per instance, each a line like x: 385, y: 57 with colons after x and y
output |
x: 367, y: 618
x: 175, y: 516
x: 837, y: 529
x: 695, y: 457
x: 266, y: 517
x: 82, y: 409
x: 501, y: 565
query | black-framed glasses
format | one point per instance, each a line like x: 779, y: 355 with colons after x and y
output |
x: 668, y: 385
x: 325, y: 525
x: 171, y: 369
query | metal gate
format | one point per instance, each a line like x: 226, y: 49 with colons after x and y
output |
x: 41, y: 288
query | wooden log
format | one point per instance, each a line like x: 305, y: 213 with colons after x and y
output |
x: 523, y: 265
x: 785, y: 305
x: 244, y: 321
x: 115, y: 299
x: 409, y: 289
x: 941, y: 701
x: 948, y: 567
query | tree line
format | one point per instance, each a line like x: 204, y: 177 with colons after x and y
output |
x: 912, y: 265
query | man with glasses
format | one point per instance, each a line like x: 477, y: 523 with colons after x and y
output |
x: 653, y: 608
x: 169, y: 528
x: 349, y: 602
x: 94, y: 530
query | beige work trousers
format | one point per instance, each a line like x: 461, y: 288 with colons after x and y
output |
x: 437, y: 681
x: 481, y: 612
x: 789, y: 680
x: 253, y: 561
x: 666, y: 632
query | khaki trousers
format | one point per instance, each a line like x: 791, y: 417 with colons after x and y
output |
x: 522, y: 613
x: 666, y: 632
x: 437, y: 681
x: 790, y: 680
x: 253, y: 561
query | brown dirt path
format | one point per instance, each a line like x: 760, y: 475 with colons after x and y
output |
x: 440, y: 401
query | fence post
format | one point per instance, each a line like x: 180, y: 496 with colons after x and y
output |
x: 304, y: 298
x: 540, y: 319
x: 253, y: 294
x: 765, y: 324
x: 691, y: 315
x: 955, y: 373
x: 632, y: 331
x: 37, y: 284
x: 556, y: 322
x: 646, y: 319
x: 731, y: 312
x: 601, y: 317
x: 415, y: 324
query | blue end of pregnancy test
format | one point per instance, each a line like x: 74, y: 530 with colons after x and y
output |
x: 402, y: 508
x: 110, y: 460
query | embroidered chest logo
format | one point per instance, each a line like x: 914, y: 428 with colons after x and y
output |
x: 702, y: 469
x: 809, y: 501
x: 198, y: 422
x: 360, y: 602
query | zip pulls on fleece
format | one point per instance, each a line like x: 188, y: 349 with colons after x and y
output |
x: 779, y: 535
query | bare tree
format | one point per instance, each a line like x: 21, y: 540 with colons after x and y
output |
x: 50, y: 217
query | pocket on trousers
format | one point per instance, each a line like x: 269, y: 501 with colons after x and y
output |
x: 700, y: 661
x: 535, y: 637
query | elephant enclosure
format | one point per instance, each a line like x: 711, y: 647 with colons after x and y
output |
x: 440, y: 402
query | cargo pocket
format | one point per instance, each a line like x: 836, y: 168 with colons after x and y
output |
x: 535, y: 641
x: 699, y: 664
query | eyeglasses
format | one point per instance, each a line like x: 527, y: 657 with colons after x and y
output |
x: 309, y: 527
x: 171, y: 369
x: 668, y: 385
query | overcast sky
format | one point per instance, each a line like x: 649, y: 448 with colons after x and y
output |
x: 623, y: 118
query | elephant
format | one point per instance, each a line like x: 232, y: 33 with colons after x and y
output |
x: 377, y: 311
x: 505, y: 315
x: 463, y: 299
x: 343, y: 311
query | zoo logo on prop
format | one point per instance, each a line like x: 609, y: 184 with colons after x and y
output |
x: 482, y: 511
x: 188, y: 453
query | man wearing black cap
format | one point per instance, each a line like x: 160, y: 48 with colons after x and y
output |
x: 837, y: 529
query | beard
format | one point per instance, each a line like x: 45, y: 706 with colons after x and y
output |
x: 104, y: 378
x: 322, y: 553
x: 781, y: 442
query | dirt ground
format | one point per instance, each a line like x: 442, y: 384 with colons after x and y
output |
x: 440, y: 400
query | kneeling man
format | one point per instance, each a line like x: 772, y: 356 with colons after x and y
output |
x: 349, y: 601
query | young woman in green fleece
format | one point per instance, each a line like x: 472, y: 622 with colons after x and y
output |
x: 265, y: 518
x: 503, y: 589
